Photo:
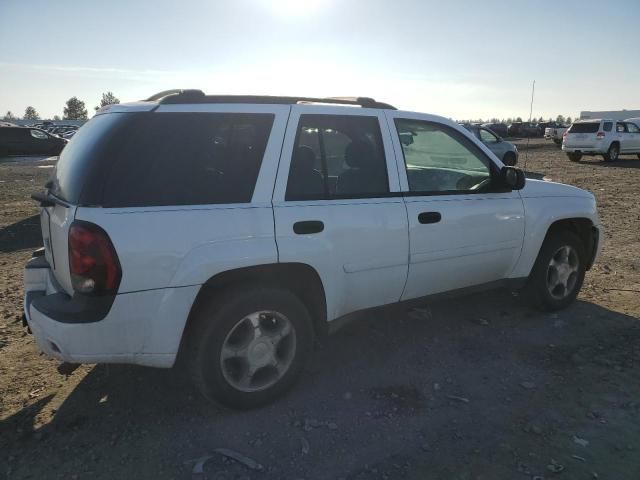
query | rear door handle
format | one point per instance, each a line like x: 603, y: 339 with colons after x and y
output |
x: 429, y: 217
x: 308, y: 226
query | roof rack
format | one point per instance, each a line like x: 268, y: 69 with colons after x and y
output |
x: 198, y: 96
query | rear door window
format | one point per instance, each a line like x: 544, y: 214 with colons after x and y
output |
x: 585, y: 127
x: 337, y: 156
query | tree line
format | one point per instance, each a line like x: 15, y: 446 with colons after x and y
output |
x: 74, y: 109
x: 559, y: 119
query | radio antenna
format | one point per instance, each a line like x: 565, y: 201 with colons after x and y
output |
x: 526, y: 155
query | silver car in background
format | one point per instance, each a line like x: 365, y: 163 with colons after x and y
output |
x: 505, y: 151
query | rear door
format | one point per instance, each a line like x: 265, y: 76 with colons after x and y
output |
x: 462, y: 231
x: 338, y: 207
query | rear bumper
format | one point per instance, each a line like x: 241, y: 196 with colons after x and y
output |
x: 583, y: 150
x: 141, y: 328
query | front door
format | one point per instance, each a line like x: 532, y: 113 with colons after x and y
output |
x: 463, y: 230
x: 632, y: 138
x: 338, y: 207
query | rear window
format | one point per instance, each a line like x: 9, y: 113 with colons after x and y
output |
x: 586, y: 127
x: 155, y: 159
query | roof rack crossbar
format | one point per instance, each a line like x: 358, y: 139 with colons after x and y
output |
x: 197, y: 96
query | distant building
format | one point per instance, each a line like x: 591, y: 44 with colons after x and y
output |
x: 613, y: 115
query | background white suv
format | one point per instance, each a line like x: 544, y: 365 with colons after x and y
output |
x: 232, y: 230
x: 609, y: 138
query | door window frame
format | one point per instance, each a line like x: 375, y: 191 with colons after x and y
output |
x: 290, y: 140
x: 471, y: 142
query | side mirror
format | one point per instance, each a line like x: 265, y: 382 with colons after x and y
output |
x: 406, y: 138
x: 512, y: 178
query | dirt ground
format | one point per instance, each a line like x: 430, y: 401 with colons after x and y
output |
x: 474, y: 388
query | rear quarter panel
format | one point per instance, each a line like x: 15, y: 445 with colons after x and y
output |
x: 162, y: 247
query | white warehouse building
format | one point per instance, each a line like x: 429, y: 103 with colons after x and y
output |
x: 613, y: 115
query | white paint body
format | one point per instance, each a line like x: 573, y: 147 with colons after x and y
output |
x: 372, y: 252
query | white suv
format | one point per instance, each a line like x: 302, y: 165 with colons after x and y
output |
x: 609, y: 138
x: 231, y: 231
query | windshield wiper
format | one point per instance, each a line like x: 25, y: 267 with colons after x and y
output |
x: 47, y: 199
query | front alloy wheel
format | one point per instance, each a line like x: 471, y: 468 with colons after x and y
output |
x: 562, y: 273
x: 558, y: 273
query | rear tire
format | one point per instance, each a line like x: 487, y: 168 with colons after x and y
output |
x: 558, y: 273
x: 256, y: 325
x: 613, y: 153
x: 509, y: 159
x: 574, y: 157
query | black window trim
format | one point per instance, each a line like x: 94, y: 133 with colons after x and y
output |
x: 326, y: 197
x: 494, y: 172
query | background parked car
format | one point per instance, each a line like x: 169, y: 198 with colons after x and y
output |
x: 505, y: 151
x: 498, y: 128
x: 29, y: 141
x: 522, y: 129
x: 555, y: 131
x: 606, y: 137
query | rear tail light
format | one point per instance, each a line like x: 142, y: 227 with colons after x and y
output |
x: 600, y: 135
x: 93, y: 262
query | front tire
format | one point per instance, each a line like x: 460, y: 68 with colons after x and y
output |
x: 613, y: 153
x: 248, y: 346
x: 574, y: 157
x: 558, y: 274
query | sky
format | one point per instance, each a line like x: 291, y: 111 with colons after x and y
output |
x: 460, y: 59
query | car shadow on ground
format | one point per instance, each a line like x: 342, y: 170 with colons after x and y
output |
x: 429, y: 393
x: 623, y: 162
x: 21, y: 235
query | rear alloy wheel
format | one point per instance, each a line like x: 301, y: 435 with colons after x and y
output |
x: 574, y: 157
x: 248, y: 346
x: 557, y: 275
x: 509, y: 159
x: 612, y: 153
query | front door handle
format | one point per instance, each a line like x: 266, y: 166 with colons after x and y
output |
x: 429, y: 217
x: 308, y: 226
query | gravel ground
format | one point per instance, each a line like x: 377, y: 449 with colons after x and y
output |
x: 474, y: 388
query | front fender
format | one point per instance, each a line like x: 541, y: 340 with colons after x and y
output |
x: 540, y: 214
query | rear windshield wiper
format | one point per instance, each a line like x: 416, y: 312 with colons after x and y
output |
x: 47, y: 199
